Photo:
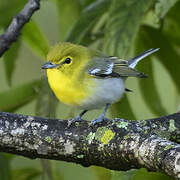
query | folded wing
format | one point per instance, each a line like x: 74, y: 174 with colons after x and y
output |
x: 108, y: 67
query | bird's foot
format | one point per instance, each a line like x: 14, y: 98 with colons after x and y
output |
x: 76, y: 119
x: 99, y: 120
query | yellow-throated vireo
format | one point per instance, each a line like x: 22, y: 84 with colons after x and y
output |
x: 88, y: 79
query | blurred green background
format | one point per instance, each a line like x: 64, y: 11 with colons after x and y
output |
x: 117, y: 27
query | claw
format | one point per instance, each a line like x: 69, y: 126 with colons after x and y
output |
x: 78, y: 118
x: 101, y: 118
x: 96, y: 121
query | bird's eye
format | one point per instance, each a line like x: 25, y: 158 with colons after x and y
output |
x: 67, y: 60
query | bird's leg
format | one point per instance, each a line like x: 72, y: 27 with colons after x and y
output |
x: 77, y: 118
x: 80, y: 115
x: 102, y: 116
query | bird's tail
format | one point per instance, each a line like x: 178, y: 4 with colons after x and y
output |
x: 133, y: 62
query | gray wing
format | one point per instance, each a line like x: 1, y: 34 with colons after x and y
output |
x: 111, y: 67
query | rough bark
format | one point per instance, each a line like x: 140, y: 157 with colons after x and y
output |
x: 116, y: 144
x: 13, y: 31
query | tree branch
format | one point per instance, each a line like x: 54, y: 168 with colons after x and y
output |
x: 115, y: 144
x: 14, y: 29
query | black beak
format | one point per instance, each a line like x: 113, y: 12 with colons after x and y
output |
x: 49, y: 65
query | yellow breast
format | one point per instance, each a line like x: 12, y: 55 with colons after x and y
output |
x: 69, y: 89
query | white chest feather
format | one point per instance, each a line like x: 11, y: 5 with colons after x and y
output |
x: 107, y: 90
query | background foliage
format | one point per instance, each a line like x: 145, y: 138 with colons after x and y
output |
x: 117, y: 27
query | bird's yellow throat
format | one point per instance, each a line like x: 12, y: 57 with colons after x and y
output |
x: 68, y: 89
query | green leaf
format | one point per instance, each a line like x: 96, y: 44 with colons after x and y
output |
x: 46, y: 166
x: 167, y: 54
x: 69, y: 9
x: 85, y: 3
x: 9, y: 156
x: 5, y: 172
x: 49, y: 101
x: 123, y: 175
x: 16, y: 97
x: 122, y: 109
x: 174, y: 11
x: 101, y: 173
x: 124, y: 21
x: 10, y: 59
x: 35, y: 38
x: 148, y: 87
x: 163, y: 6
x: 171, y: 24
x: 143, y: 174
x: 87, y: 20
x: 26, y: 174
x: 8, y: 10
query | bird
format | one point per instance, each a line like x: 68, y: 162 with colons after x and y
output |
x: 88, y: 79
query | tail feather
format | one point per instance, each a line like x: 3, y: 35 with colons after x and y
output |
x: 133, y: 62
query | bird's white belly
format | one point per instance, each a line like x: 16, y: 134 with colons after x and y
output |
x: 107, y: 90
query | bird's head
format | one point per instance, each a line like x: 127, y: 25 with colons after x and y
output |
x: 66, y: 58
